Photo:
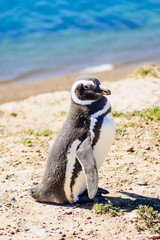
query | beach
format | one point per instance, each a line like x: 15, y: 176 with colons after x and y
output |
x: 44, y: 46
x: 121, y: 81
x: 31, y: 116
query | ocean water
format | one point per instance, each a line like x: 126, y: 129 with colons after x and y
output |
x: 46, y: 38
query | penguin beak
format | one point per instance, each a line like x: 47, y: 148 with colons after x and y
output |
x: 105, y: 90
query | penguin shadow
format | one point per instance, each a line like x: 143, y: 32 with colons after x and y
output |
x: 127, y: 204
x: 124, y: 202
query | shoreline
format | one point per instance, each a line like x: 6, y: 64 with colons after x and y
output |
x: 19, y: 91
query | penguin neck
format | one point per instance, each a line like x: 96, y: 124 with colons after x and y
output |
x: 78, y: 110
x: 83, y: 116
x: 99, y: 105
x: 78, y: 113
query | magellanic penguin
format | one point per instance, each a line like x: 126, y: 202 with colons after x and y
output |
x: 80, y: 147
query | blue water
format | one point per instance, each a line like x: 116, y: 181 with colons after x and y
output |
x: 54, y: 37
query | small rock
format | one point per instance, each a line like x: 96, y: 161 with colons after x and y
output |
x: 155, y: 237
x: 26, y: 229
x: 30, y: 145
x: 13, y: 199
x: 141, y: 182
x: 38, y: 151
x: 147, y: 148
x: 35, y: 183
x: 146, y: 122
x: 8, y: 204
x: 131, y: 149
x: 67, y: 211
x: 13, y: 114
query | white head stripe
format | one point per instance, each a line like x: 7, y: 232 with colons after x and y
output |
x: 75, y: 99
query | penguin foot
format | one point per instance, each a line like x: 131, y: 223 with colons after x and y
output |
x: 86, y: 199
x: 83, y: 198
x: 102, y: 191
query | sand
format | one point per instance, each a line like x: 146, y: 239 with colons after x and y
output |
x: 24, y: 149
x: 19, y: 91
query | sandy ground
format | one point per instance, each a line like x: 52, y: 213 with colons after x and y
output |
x: 135, y: 155
x: 19, y: 91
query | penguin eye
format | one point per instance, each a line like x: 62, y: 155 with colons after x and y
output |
x: 86, y: 87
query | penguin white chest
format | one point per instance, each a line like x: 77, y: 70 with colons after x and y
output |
x: 105, y: 140
x: 101, y: 149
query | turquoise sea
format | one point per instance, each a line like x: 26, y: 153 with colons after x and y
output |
x: 46, y: 38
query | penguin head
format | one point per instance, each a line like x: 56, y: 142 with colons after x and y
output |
x: 87, y: 89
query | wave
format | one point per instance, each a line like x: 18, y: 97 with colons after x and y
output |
x: 99, y: 68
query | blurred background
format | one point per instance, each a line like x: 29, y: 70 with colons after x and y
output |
x: 42, y: 39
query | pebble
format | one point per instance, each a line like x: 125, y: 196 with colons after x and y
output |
x: 155, y: 237
x: 147, y: 148
x: 67, y: 211
x: 141, y: 182
x: 131, y: 149
x: 13, y: 114
x: 25, y: 229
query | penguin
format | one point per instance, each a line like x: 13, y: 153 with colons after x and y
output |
x: 80, y: 147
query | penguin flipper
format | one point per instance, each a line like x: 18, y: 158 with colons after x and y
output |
x: 88, y: 162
